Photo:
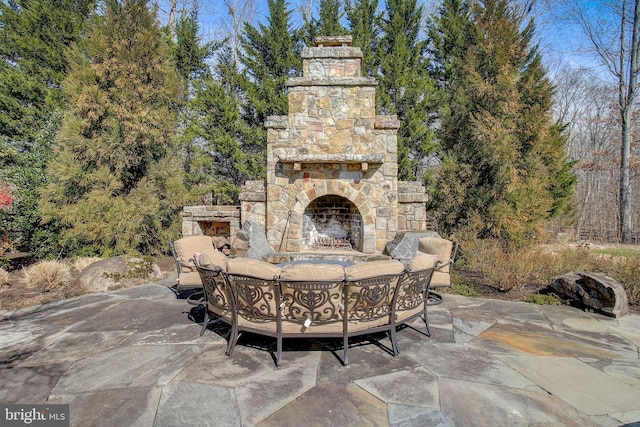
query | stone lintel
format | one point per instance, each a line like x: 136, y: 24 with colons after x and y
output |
x: 332, y: 81
x: 326, y: 41
x: 252, y: 197
x: 276, y: 122
x: 387, y: 122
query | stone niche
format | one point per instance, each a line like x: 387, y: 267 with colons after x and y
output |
x: 221, y: 222
x: 332, y: 172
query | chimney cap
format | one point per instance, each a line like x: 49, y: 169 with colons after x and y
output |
x: 332, y: 41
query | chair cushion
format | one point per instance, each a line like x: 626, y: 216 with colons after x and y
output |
x: 212, y: 258
x: 190, y: 280
x: 252, y: 267
x: 437, y: 246
x: 312, y: 271
x: 373, y: 268
x: 187, y: 246
x: 422, y: 261
x: 441, y: 280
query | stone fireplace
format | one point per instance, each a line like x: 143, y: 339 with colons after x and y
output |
x: 332, y: 172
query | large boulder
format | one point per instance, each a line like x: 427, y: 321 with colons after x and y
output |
x: 405, y: 245
x: 592, y: 290
x: 118, y: 272
x: 251, y: 242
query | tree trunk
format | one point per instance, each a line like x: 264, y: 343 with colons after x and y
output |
x: 628, y: 95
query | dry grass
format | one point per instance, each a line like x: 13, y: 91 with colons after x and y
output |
x: 508, y: 268
x: 81, y: 263
x: 48, y: 275
x: 4, y: 277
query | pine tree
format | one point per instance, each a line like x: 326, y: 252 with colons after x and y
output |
x: 34, y: 35
x: 503, y: 161
x: 328, y: 23
x: 449, y: 32
x: 406, y: 87
x: 224, y: 155
x: 269, y: 58
x: 189, y: 52
x: 116, y: 181
x: 364, y: 21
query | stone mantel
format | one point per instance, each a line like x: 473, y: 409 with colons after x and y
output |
x: 330, y: 158
x: 331, y: 81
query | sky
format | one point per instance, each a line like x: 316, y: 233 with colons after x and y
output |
x: 561, y: 41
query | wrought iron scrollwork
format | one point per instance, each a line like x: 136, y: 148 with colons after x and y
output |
x: 317, y: 301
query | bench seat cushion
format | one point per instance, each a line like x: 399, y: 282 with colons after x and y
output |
x: 373, y: 268
x: 252, y: 267
x: 190, y: 280
x: 441, y: 280
x: 312, y: 271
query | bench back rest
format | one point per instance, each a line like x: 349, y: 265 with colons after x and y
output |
x: 371, y: 298
x: 412, y: 289
x: 255, y: 299
x: 311, y: 293
x: 253, y: 285
x: 215, y: 287
x: 370, y: 287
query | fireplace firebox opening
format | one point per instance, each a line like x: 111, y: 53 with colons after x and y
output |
x: 332, y: 222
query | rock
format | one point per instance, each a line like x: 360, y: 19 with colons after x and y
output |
x: 118, y: 272
x: 405, y: 244
x: 592, y: 290
x: 220, y: 242
x: 251, y: 242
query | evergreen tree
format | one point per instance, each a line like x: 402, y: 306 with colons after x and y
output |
x: 224, y: 155
x: 269, y: 58
x: 34, y: 35
x: 189, y: 53
x: 364, y: 21
x: 449, y: 31
x: 504, y: 168
x: 115, y: 181
x: 328, y: 22
x: 406, y: 87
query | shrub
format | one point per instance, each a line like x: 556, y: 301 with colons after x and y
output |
x: 508, y: 267
x: 48, y: 275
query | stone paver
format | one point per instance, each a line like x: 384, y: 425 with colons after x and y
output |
x: 134, y: 358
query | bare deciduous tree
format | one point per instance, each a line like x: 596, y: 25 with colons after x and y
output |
x: 614, y: 37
